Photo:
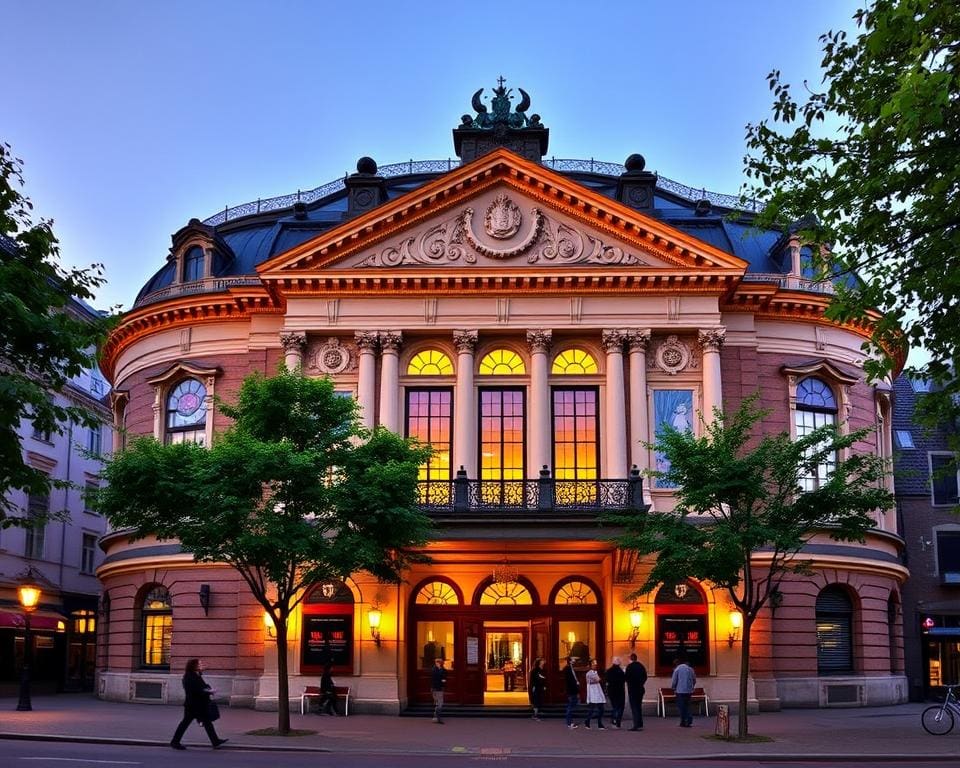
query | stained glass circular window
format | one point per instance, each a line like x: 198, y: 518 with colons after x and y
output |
x: 186, y: 405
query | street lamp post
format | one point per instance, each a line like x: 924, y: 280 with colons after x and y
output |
x: 29, y: 594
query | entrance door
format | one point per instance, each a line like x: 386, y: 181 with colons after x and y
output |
x: 540, y: 649
x: 506, y: 661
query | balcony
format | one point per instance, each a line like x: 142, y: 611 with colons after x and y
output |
x: 545, y: 497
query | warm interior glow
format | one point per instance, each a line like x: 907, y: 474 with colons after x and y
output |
x: 268, y: 624
x: 29, y: 595
x: 571, y: 637
x: 430, y: 362
x: 636, y: 617
x: 574, y: 361
x: 502, y: 362
x: 373, y: 616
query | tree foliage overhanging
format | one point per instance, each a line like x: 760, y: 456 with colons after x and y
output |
x: 741, y: 520
x: 872, y: 157
x: 44, y: 343
x: 293, y: 493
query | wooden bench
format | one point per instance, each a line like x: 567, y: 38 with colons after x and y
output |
x: 314, y: 692
x: 667, y: 696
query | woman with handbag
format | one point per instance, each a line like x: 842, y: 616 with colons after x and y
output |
x: 197, y: 705
x: 595, y: 697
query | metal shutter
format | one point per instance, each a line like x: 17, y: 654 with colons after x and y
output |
x: 834, y: 636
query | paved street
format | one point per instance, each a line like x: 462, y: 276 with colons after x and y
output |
x: 84, y: 728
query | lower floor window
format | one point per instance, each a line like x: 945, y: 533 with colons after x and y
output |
x: 834, y: 632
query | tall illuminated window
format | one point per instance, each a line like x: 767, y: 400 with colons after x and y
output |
x: 157, y: 615
x: 816, y: 407
x: 576, y: 447
x: 430, y: 420
x: 502, y: 448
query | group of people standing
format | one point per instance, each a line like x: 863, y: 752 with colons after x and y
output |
x: 621, y: 684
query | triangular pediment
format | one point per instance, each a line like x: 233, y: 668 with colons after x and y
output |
x: 505, y: 214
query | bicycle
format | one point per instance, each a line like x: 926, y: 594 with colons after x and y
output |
x: 938, y: 719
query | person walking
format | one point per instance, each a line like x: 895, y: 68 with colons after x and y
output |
x: 438, y: 680
x: 197, y: 706
x: 572, y: 686
x: 636, y: 676
x: 683, y: 682
x: 538, y: 687
x: 328, y: 691
x: 595, y: 697
x: 616, y: 692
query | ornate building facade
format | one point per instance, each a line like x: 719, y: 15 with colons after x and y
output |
x: 535, y: 322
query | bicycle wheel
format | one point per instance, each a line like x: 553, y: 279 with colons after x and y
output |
x: 937, y: 720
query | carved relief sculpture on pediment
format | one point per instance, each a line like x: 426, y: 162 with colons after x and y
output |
x: 543, y: 240
x: 331, y: 357
x: 672, y: 356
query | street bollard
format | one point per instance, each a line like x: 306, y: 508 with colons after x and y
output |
x: 723, y: 721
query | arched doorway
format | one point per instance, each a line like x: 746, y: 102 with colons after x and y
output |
x: 682, y: 626
x: 327, y: 629
x: 489, y: 644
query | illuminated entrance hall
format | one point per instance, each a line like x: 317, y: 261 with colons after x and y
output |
x: 536, y: 321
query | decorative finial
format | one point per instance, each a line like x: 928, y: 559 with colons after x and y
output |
x: 500, y: 113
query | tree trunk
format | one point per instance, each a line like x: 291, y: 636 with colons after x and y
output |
x: 283, y: 684
x: 742, y: 726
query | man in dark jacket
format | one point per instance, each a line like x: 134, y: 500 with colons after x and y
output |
x: 438, y: 679
x: 573, y: 691
x: 615, y: 691
x: 636, y: 677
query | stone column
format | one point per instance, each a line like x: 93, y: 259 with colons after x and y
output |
x: 293, y: 344
x: 390, y: 379
x: 615, y: 462
x: 539, y: 432
x: 710, y: 341
x: 638, y: 342
x: 367, y: 376
x: 465, y: 405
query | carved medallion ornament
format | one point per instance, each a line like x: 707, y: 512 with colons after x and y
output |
x: 672, y: 356
x: 546, y: 241
x: 330, y: 357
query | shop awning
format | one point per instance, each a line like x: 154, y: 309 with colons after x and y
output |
x: 943, y: 632
x: 40, y: 621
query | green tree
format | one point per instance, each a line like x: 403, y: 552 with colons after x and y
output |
x: 292, y: 493
x: 741, y: 520
x: 45, y: 342
x: 872, y: 158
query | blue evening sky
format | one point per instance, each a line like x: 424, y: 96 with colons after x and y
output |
x: 133, y: 117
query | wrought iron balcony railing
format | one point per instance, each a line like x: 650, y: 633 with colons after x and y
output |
x: 545, y: 495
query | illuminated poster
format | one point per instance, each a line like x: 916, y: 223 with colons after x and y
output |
x: 685, y: 634
x: 327, y: 639
x: 674, y: 408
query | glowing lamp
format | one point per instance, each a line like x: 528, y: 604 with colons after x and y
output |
x: 374, y: 615
x: 736, y: 621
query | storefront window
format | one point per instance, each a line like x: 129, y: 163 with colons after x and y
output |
x: 435, y: 641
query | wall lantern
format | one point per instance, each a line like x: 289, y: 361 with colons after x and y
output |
x: 28, y: 592
x: 269, y: 625
x: 374, y: 615
x: 736, y: 621
x: 636, y: 619
x: 205, y: 598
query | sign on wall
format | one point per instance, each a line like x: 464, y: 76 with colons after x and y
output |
x: 327, y: 639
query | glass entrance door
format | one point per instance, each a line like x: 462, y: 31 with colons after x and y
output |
x: 505, y: 666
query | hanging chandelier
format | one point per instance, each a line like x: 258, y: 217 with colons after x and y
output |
x: 505, y: 572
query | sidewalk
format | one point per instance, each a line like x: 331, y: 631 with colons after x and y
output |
x: 881, y: 734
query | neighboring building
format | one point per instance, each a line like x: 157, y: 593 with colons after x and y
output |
x: 65, y: 553
x: 926, y: 485
x: 535, y: 321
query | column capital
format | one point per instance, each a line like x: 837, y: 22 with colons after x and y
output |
x: 711, y: 339
x: 390, y: 341
x: 366, y: 340
x: 293, y: 341
x: 540, y: 340
x: 612, y: 340
x: 465, y: 341
x: 638, y: 339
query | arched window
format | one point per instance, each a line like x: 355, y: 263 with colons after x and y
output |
x: 575, y: 592
x: 430, y: 362
x: 574, y: 361
x: 193, y: 264
x: 437, y: 593
x: 187, y: 413
x: 816, y: 407
x: 502, y: 362
x: 157, y: 626
x: 834, y: 631
x: 506, y: 593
